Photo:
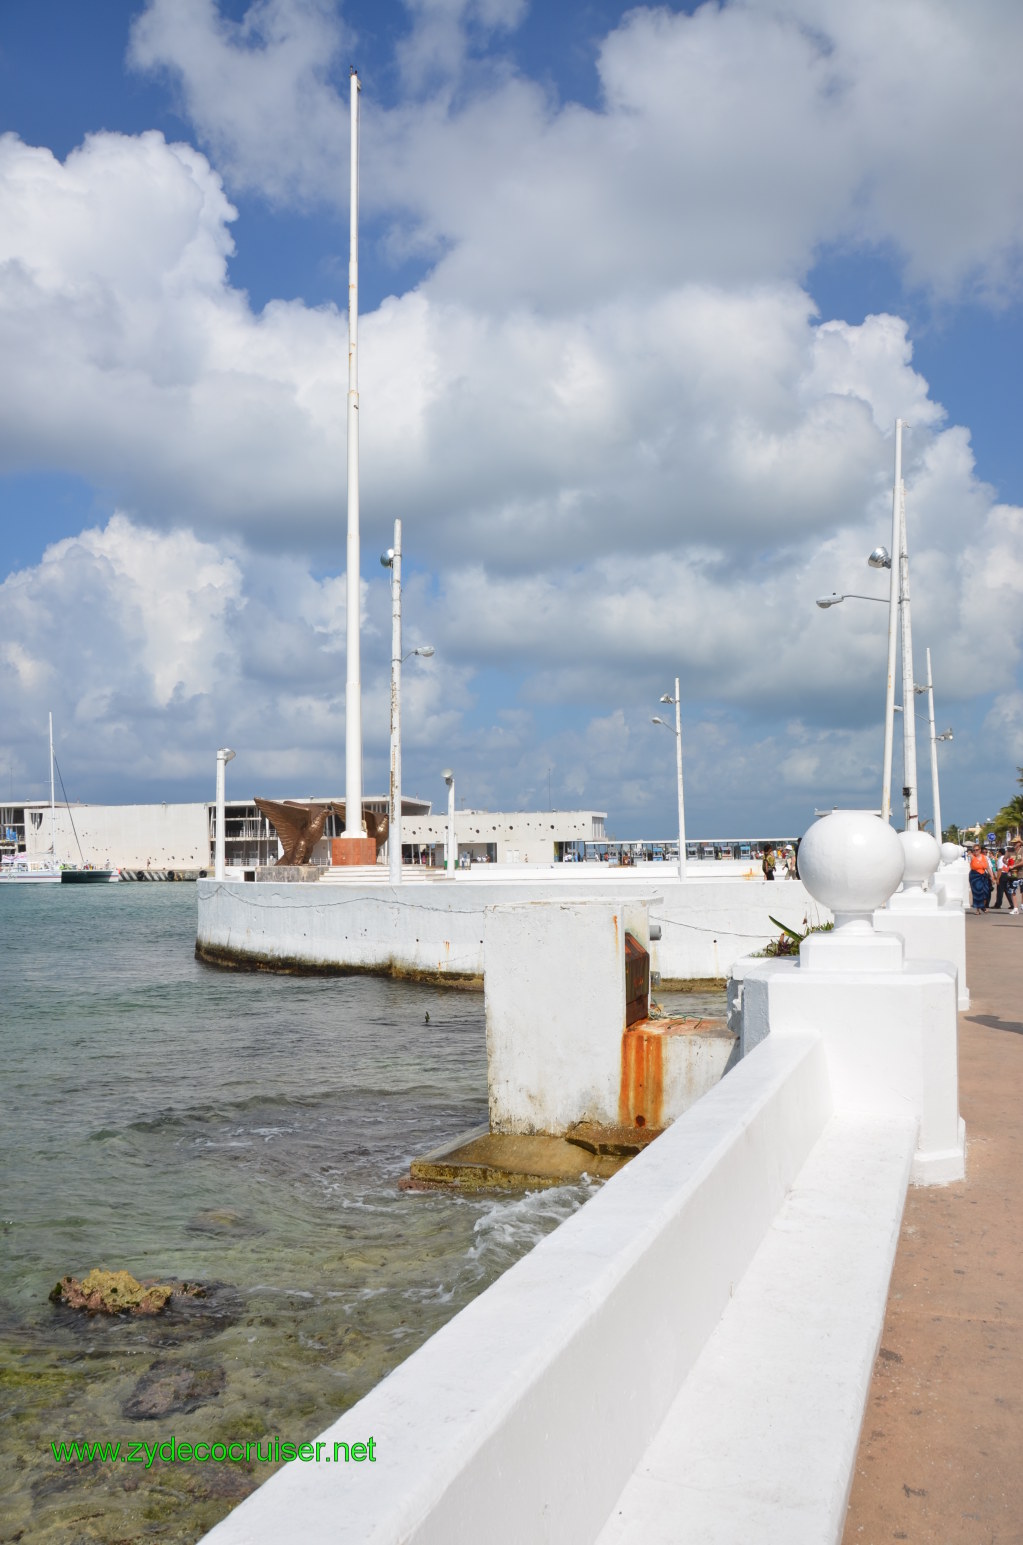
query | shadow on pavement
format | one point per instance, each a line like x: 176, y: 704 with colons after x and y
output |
x: 995, y: 1023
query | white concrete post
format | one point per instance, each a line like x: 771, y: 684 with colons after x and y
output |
x: 893, y: 613
x: 452, y: 846
x: 354, y: 824
x: 224, y: 755
x: 887, y: 1016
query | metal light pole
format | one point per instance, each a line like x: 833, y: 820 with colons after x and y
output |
x: 452, y: 855
x: 224, y: 755
x: 945, y: 735
x: 898, y: 609
x: 354, y: 825
x: 898, y: 593
x: 894, y: 596
x: 392, y: 560
x: 909, y: 772
x: 677, y: 700
x: 878, y: 559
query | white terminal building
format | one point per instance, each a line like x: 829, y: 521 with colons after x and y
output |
x: 183, y: 836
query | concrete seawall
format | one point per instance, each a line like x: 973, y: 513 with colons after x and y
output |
x: 432, y: 929
x: 738, y: 1266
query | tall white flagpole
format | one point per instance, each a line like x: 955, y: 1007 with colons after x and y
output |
x: 354, y: 826
x: 394, y: 832
x: 893, y: 617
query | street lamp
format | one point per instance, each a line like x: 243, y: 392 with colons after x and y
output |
x: 449, y: 779
x: 878, y: 559
x: 391, y: 559
x: 224, y: 755
x: 898, y: 608
x: 677, y: 700
x: 945, y: 735
x: 900, y: 599
x: 834, y: 598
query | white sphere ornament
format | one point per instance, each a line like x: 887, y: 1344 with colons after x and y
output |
x: 951, y: 852
x: 851, y: 861
x: 922, y: 858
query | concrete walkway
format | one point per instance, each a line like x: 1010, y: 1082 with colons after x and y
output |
x: 941, y: 1452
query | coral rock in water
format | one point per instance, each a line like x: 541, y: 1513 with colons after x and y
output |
x: 117, y: 1292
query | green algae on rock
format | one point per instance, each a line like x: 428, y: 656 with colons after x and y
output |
x: 118, y: 1292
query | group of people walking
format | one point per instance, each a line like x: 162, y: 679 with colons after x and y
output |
x: 776, y: 863
x: 1001, y: 878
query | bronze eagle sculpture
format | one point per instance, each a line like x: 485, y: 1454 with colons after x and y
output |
x: 300, y: 826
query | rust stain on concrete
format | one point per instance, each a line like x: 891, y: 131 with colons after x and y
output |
x: 641, y: 1092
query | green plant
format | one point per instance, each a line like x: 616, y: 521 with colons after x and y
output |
x: 789, y: 939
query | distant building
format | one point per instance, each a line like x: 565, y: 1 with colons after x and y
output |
x: 164, y: 836
x: 503, y: 837
x: 183, y: 836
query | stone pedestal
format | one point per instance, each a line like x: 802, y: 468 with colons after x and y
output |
x: 930, y: 932
x: 888, y: 1023
x: 352, y: 850
x: 891, y: 1044
x: 952, y: 881
x: 288, y: 874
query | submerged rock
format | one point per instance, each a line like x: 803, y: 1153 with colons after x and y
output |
x: 169, y: 1388
x: 222, y: 1220
x: 118, y: 1292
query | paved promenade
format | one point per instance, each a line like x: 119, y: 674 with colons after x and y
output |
x: 941, y: 1454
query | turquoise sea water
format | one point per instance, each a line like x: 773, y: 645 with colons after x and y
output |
x: 244, y: 1131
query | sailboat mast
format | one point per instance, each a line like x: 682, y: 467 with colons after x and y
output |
x: 53, y: 802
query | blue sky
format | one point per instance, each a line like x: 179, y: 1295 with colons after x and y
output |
x: 643, y: 290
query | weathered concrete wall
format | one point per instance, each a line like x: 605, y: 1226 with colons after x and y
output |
x: 555, y: 985
x: 126, y: 836
x: 557, y: 1048
x: 434, y: 926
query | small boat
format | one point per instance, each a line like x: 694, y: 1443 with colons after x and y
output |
x: 88, y: 876
x: 22, y: 870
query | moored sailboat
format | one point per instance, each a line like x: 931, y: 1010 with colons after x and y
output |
x: 35, y: 869
x: 25, y: 869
